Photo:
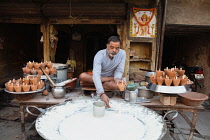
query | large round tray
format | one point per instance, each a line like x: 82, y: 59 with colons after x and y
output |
x: 168, y: 89
x: 40, y: 90
x: 49, y: 124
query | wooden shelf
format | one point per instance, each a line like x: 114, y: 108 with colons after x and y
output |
x: 140, y: 59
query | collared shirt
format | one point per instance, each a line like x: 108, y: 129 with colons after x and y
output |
x: 103, y: 66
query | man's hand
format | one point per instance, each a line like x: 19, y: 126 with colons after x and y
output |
x: 105, y: 99
x: 117, y: 80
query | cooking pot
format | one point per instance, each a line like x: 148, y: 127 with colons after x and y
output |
x: 62, y: 71
x: 144, y: 92
x: 49, y: 122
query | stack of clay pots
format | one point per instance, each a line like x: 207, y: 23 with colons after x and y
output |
x: 29, y: 83
x: 169, y: 77
x: 32, y: 68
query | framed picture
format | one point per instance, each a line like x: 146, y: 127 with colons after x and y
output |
x: 142, y: 22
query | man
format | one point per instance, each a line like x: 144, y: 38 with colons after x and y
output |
x: 108, y: 68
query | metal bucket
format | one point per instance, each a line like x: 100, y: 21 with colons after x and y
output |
x: 144, y: 92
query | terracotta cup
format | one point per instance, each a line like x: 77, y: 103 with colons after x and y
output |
x: 183, y: 81
x: 30, y: 65
x: 160, y: 80
x: 176, y: 81
x: 26, y: 88
x: 171, y: 74
x: 159, y: 73
x: 168, y: 82
x: 17, y: 88
x: 153, y: 79
x: 121, y: 86
x: 181, y: 72
x: 34, y: 87
x: 10, y: 87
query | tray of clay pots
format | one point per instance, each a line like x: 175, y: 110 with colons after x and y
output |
x: 168, y: 89
x: 37, y: 91
x: 41, y: 76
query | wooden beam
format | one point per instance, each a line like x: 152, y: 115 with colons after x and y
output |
x: 20, y: 20
x: 38, y: 20
x: 45, y: 29
x: 86, y: 21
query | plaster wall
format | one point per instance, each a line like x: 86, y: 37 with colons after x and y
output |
x: 189, y: 12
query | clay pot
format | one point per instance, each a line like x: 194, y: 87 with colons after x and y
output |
x: 168, y: 82
x: 26, y: 88
x: 26, y: 80
x: 176, y: 81
x: 37, y: 65
x: 49, y: 64
x: 40, y: 85
x: 10, y: 87
x: 171, y: 74
x: 43, y: 65
x: 166, y: 70
x: 160, y: 80
x: 19, y: 81
x: 121, y: 86
x: 40, y: 72
x: 47, y: 70
x: 52, y: 71
x: 34, y: 87
x: 159, y: 73
x: 30, y: 65
x: 33, y: 80
x: 17, y: 88
x: 33, y: 72
x: 27, y: 70
x: 24, y: 70
x: 183, y: 81
x: 153, y: 79
x: 181, y: 72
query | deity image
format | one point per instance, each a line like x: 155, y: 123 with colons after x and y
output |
x: 143, y: 23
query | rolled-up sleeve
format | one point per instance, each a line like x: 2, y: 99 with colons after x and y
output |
x: 120, y: 68
x: 97, y: 65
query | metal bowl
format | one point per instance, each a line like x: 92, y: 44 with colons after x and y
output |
x: 48, y: 124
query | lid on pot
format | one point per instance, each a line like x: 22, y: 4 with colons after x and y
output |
x: 60, y: 66
x: 149, y: 73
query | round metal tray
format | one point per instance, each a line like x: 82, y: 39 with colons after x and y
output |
x: 168, y: 89
x: 40, y: 90
x: 48, y: 124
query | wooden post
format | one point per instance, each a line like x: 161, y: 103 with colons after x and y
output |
x: 45, y: 29
x: 162, y: 36
x: 121, y: 29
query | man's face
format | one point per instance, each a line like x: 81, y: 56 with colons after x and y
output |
x: 113, y: 48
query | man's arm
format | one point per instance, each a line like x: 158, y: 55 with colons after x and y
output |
x: 120, y: 68
x: 97, y: 73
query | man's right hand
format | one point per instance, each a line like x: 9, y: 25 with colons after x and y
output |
x: 105, y: 99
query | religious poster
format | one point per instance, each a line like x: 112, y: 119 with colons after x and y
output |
x: 143, y: 22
